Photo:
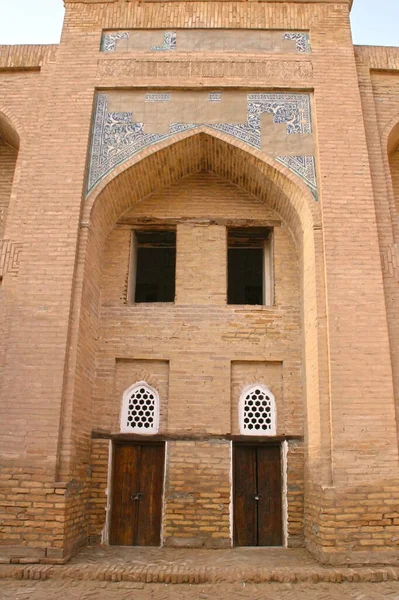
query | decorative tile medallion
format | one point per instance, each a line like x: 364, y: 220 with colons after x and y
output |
x: 169, y: 41
x: 215, y: 97
x: 115, y: 138
x: 150, y: 97
x: 302, y: 41
x: 109, y: 40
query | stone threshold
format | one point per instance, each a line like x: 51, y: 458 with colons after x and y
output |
x: 176, y: 574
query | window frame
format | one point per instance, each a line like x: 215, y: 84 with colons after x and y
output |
x: 268, y: 294
x: 123, y: 426
x: 133, y: 257
x: 241, y: 411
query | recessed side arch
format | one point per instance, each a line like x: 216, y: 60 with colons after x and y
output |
x: 9, y: 128
x: 390, y: 146
x: 9, y: 172
x: 390, y: 137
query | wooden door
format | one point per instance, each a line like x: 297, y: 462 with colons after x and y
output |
x: 137, y: 486
x: 257, y: 495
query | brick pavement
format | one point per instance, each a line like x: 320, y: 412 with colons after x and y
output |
x: 100, y: 590
x: 196, y: 566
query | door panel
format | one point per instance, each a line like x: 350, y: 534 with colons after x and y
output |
x: 269, y: 492
x: 245, y: 517
x: 151, y: 488
x: 257, y: 495
x: 124, y: 511
x: 137, y: 486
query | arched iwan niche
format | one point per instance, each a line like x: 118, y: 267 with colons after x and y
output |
x: 165, y: 163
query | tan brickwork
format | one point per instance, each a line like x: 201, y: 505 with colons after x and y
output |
x: 98, y: 490
x: 380, y: 92
x: 355, y: 525
x: 26, y: 58
x: 71, y: 342
x: 198, y: 490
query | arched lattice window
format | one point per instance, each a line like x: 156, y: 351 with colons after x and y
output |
x: 140, y: 409
x: 257, y: 411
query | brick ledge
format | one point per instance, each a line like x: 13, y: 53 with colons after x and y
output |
x: 191, y: 575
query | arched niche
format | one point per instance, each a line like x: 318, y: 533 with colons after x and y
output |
x: 393, y: 157
x: 9, y: 146
x: 160, y: 166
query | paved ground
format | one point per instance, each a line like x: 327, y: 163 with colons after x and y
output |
x: 234, y: 558
x: 195, y: 566
x: 99, y: 590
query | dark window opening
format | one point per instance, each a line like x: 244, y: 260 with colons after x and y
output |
x: 249, y: 266
x: 154, y: 259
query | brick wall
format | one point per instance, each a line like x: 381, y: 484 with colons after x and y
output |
x: 352, y: 526
x: 144, y: 331
x: 295, y: 492
x: 198, y: 494
x: 32, y: 510
x: 371, y: 523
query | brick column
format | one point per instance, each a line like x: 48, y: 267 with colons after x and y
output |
x: 44, y: 218
x: 343, y: 517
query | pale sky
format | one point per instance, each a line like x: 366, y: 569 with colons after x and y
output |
x: 374, y: 22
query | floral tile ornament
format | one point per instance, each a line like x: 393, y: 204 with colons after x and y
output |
x: 169, y: 42
x: 115, y: 138
x: 109, y: 40
x: 302, y: 41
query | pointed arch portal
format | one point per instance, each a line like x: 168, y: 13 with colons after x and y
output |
x: 160, y: 166
x: 152, y: 170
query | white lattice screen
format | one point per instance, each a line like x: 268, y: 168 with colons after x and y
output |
x: 140, y: 409
x: 257, y: 411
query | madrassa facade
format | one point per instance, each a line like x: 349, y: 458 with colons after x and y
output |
x: 199, y: 269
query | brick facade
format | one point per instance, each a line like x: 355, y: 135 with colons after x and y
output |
x: 295, y: 130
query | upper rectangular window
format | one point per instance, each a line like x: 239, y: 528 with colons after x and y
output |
x: 153, y: 266
x: 250, y: 266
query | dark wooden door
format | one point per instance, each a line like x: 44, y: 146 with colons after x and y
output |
x: 257, y: 495
x: 137, y: 487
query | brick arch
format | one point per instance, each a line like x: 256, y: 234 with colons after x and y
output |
x: 9, y: 152
x: 165, y: 163
x: 390, y: 144
x: 151, y: 171
x: 390, y: 136
x: 9, y: 128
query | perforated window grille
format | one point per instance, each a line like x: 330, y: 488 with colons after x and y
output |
x: 140, y: 409
x: 257, y: 411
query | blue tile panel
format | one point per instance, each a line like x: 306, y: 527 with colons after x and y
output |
x: 169, y: 42
x: 109, y: 41
x: 302, y: 41
x: 115, y: 138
